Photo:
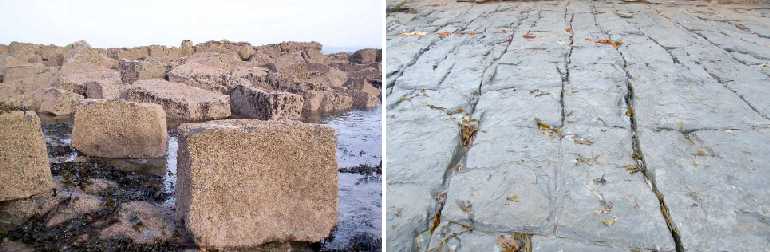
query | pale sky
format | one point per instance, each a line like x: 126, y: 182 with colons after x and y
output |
x: 337, y: 24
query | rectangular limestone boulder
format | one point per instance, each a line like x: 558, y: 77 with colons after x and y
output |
x: 133, y: 70
x: 182, y: 103
x: 246, y: 182
x: 97, y: 90
x: 24, y: 169
x: 120, y: 129
x: 327, y: 101
x: 264, y: 105
x: 362, y: 99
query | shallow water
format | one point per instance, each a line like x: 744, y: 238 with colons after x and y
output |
x: 358, y: 143
x: 358, y: 136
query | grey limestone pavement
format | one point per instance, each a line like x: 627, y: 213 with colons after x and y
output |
x: 578, y: 125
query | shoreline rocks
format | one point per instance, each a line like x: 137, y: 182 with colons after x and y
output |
x: 327, y: 101
x: 119, y: 129
x: 243, y: 183
x: 181, y: 102
x: 24, y: 169
x: 260, y: 104
x: 327, y: 83
x: 58, y: 101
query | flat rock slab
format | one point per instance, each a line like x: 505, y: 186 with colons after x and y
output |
x: 119, y: 129
x: 24, y: 160
x: 714, y: 183
x: 247, y: 182
x: 264, y: 105
x: 574, y: 100
x: 207, y: 70
x: 181, y: 102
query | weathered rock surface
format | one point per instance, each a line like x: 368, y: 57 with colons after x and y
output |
x: 83, y: 64
x: 601, y: 126
x: 216, y: 71
x: 119, y: 129
x: 260, y: 104
x: 289, y: 53
x: 24, y: 168
x: 58, y: 101
x: 300, y: 68
x: 77, y: 204
x: 303, y: 77
x: 363, y: 99
x: 181, y: 102
x: 326, y: 101
x: 142, y: 222
x: 713, y: 183
x: 237, y: 186
x: 133, y: 70
x: 243, y: 50
x: 366, y: 56
x: 96, y: 90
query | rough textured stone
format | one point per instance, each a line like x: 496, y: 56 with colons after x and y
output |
x: 77, y: 203
x: 304, y: 77
x: 333, y: 84
x: 181, y: 102
x: 289, y: 53
x: 362, y: 99
x: 407, y: 217
x: 142, y: 222
x: 133, y: 70
x: 82, y: 65
x: 601, y: 126
x: 366, y: 56
x: 119, y: 129
x: 242, y: 49
x: 129, y: 71
x: 260, y: 104
x: 237, y: 186
x: 326, y: 101
x: 16, y: 212
x: 27, y: 91
x: 96, y: 90
x: 207, y: 70
x: 23, y: 71
x: 58, y: 101
x: 714, y: 184
x: 24, y: 168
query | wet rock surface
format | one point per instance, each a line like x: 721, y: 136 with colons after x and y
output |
x: 577, y: 125
x: 128, y: 204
